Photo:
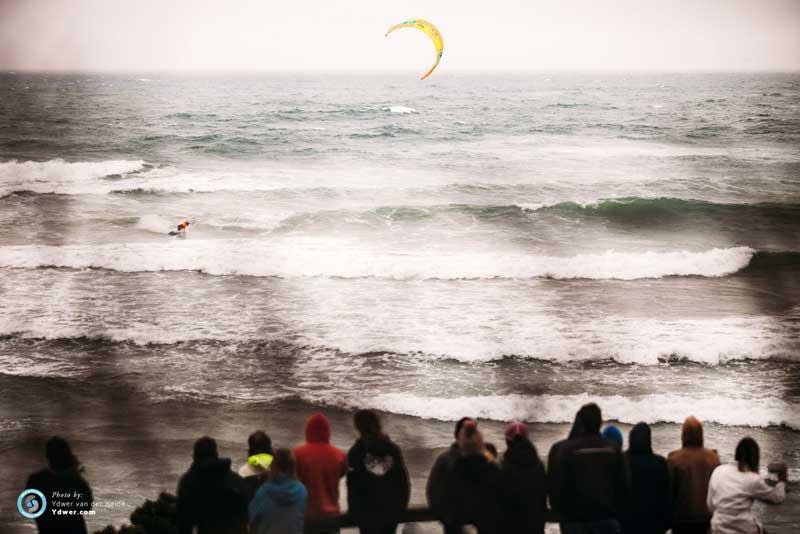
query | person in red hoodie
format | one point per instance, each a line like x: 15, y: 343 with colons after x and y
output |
x: 320, y: 466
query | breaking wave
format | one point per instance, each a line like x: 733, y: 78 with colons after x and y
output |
x: 346, y: 259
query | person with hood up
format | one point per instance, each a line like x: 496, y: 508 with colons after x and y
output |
x: 472, y: 491
x: 255, y: 470
x: 523, y: 484
x: 593, y: 484
x: 62, y: 475
x: 279, y: 506
x: 211, y: 497
x: 649, y: 509
x: 320, y: 466
x: 437, y: 480
x: 690, y: 470
x: 553, y: 463
x: 378, y: 486
x: 734, y: 488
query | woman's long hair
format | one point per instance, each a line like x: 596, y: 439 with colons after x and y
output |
x: 747, y: 455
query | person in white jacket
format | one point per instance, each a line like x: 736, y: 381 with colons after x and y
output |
x: 734, y: 488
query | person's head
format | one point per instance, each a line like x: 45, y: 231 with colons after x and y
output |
x: 470, y: 439
x: 259, y: 443
x: 747, y: 455
x: 589, y: 418
x: 367, y: 423
x: 514, y: 430
x: 613, y: 434
x: 205, y: 449
x: 59, y: 454
x: 692, y: 432
x: 639, y: 440
x: 283, y: 464
x: 460, y: 425
x: 318, y: 429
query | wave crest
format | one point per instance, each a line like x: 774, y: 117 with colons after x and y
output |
x: 330, y: 258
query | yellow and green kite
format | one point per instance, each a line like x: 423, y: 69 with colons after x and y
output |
x: 431, y: 31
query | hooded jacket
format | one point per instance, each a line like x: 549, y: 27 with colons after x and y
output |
x: 212, y: 497
x: 523, y: 489
x: 437, y: 480
x: 472, y: 493
x: 278, y: 507
x: 378, y: 486
x: 554, y: 463
x: 690, y: 469
x: 649, y: 509
x: 255, y: 472
x: 593, y: 480
x: 320, y: 465
x: 63, y: 481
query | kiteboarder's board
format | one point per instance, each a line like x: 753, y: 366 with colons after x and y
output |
x: 175, y: 234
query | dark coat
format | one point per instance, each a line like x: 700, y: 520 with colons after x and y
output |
x: 67, y: 481
x: 523, y: 489
x: 593, y: 480
x: 649, y: 508
x: 378, y: 486
x: 472, y: 494
x: 213, y: 498
x: 437, y: 480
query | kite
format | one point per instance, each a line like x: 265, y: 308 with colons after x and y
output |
x: 431, y: 31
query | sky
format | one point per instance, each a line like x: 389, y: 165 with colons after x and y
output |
x: 348, y: 36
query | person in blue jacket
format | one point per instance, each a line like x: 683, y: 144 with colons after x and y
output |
x: 279, y: 505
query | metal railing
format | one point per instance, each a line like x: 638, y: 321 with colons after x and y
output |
x: 413, y: 514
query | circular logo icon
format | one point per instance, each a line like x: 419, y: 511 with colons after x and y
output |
x: 31, y: 503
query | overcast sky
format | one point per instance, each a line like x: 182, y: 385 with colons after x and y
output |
x: 330, y: 35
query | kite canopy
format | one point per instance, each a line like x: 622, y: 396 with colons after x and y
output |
x: 431, y: 31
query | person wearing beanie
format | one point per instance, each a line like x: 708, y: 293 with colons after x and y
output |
x: 650, y: 507
x: 614, y: 435
x: 593, y: 485
x: 523, y: 484
x: 690, y: 470
x: 255, y: 471
x: 62, y: 475
x: 320, y: 467
x: 437, y: 480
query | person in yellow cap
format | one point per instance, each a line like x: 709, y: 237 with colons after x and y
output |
x: 255, y: 470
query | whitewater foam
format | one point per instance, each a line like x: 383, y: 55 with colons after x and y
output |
x: 656, y: 408
x: 59, y: 176
x: 347, y: 258
x: 403, y: 110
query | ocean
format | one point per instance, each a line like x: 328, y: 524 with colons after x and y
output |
x: 500, y: 246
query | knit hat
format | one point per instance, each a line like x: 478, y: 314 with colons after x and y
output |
x: 516, y: 428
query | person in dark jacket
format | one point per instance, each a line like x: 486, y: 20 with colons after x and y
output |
x: 437, y: 480
x: 378, y: 486
x: 553, y: 463
x: 211, y: 497
x: 472, y: 490
x: 649, y: 508
x: 523, y: 484
x: 61, y: 477
x: 593, y: 485
x: 279, y: 506
x: 255, y: 471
